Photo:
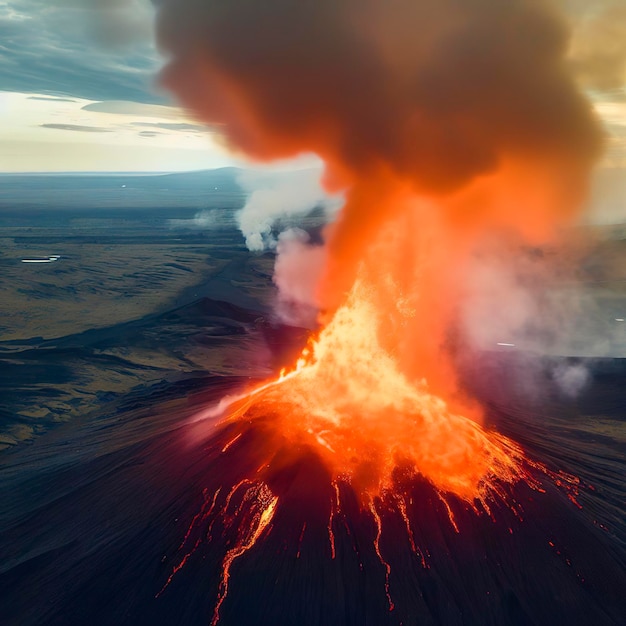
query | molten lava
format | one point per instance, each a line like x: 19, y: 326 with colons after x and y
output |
x: 348, y: 399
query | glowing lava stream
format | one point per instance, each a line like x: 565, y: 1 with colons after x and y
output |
x: 260, y: 513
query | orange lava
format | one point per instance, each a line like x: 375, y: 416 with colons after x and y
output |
x: 252, y: 522
x: 349, y: 400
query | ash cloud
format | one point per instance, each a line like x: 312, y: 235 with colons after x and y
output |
x: 436, y: 91
x: 432, y: 96
x: 447, y: 125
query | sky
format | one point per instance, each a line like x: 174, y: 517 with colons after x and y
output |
x: 79, y: 92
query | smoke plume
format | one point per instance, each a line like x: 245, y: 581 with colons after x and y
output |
x: 447, y: 124
x: 299, y: 266
x: 598, y: 49
x: 274, y: 200
x: 274, y: 203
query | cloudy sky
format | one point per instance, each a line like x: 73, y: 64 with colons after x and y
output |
x: 78, y: 92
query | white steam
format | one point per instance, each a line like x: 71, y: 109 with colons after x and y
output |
x: 202, y: 220
x: 273, y: 219
x: 571, y: 379
x: 297, y: 271
x: 276, y: 199
x: 551, y: 306
x: 542, y: 302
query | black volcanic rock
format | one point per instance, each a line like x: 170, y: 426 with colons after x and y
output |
x: 95, y: 517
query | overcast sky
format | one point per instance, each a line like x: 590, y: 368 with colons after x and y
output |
x: 95, y: 49
x: 79, y: 92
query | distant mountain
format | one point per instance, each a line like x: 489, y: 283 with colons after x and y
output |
x: 123, y: 191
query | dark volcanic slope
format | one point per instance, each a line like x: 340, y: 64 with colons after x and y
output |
x: 94, y: 516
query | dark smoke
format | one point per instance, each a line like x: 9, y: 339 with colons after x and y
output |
x: 436, y: 91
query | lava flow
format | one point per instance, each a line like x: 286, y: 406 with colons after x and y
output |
x: 347, y: 404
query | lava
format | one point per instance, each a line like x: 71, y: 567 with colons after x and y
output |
x: 253, y: 522
x: 348, y: 400
x: 379, y: 531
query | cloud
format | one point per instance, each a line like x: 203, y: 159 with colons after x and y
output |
x: 65, y: 47
x: 76, y: 127
x: 598, y: 50
x: 194, y: 128
x: 116, y: 22
x: 50, y: 99
x: 56, y: 134
x: 135, y: 109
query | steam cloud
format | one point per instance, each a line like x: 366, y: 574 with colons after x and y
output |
x: 447, y: 125
x: 265, y: 221
x: 274, y: 199
x: 298, y: 269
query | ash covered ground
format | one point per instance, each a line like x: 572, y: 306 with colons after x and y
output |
x: 106, y: 353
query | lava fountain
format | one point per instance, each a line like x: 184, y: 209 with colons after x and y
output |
x: 446, y: 125
x: 348, y: 399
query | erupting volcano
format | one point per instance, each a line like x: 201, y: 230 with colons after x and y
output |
x: 348, y: 405
x: 396, y: 472
x: 447, y: 126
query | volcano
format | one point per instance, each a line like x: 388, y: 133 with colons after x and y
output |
x: 377, y: 479
x: 149, y: 515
